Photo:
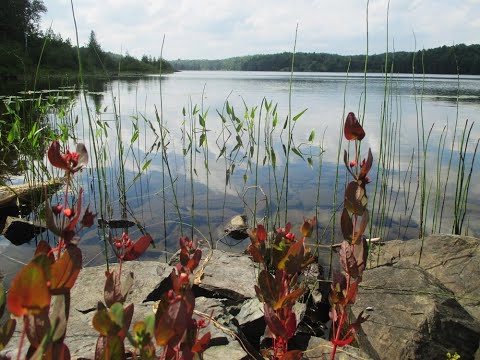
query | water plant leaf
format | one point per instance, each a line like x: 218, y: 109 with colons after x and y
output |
x: 360, y: 251
x: 29, y: 293
x: 274, y: 324
x: 366, y: 165
x: 290, y: 299
x: 194, y: 260
x: 201, y: 344
x: 138, y: 247
x: 298, y: 153
x: 363, y: 225
x: 6, y: 332
x: 312, y: 136
x: 296, y: 117
x: 293, y: 260
x: 352, y: 129
x: 347, y: 259
x: 268, y: 287
x: 171, y: 322
x: 355, y: 198
x: 347, y: 225
x: 115, y: 290
x: 65, y: 270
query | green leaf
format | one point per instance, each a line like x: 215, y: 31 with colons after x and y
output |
x: 312, y: 136
x: 146, y: 165
x: 310, y: 162
x: 6, y: 332
x: 201, y: 120
x: 296, y: 117
x: 298, y: 153
x: 116, y: 314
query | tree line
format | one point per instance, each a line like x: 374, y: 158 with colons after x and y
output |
x: 457, y: 59
x: 23, y: 46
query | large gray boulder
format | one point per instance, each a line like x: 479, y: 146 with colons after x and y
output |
x: 454, y: 260
x: 412, y: 316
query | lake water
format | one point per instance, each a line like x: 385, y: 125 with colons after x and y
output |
x: 406, y: 104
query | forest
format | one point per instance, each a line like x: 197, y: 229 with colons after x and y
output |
x: 457, y: 59
x: 24, y: 48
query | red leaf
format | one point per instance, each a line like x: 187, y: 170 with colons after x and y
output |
x: 71, y: 225
x: 194, y: 260
x: 201, y: 344
x: 274, y: 323
x: 138, y: 248
x: 353, y: 130
x: 290, y: 324
x: 55, y: 156
x: 173, y: 321
x: 255, y: 253
x: 360, y: 251
x: 347, y: 259
x: 355, y: 198
x: 308, y: 226
x: 88, y: 218
x: 268, y: 288
x: 366, y: 165
x: 290, y: 299
x: 29, y: 293
x: 346, y: 224
x: 292, y: 261
x: 66, y: 269
x: 112, y: 292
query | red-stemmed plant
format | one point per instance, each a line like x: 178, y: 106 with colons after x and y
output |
x: 282, y: 261
x: 353, y: 250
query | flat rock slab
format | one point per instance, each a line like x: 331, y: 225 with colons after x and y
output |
x: 229, y: 275
x: 414, y: 316
x: 453, y: 260
x: 319, y: 348
x: 88, y: 290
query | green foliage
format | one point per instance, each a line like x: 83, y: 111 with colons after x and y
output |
x: 439, y: 60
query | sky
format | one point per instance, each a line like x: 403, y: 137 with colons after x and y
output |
x: 217, y: 29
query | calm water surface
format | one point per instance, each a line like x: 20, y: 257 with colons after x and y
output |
x: 405, y: 103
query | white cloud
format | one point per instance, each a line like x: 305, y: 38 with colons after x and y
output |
x: 218, y: 29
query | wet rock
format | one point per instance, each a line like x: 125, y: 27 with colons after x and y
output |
x: 20, y: 231
x: 229, y: 275
x: 414, y: 316
x: 237, y: 227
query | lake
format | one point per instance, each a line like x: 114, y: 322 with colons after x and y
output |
x: 409, y: 122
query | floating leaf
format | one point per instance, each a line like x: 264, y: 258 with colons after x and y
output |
x: 29, y: 293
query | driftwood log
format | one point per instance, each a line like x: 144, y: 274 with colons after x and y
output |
x: 15, y: 195
x: 22, y: 199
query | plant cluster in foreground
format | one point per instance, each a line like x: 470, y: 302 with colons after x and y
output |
x: 40, y: 292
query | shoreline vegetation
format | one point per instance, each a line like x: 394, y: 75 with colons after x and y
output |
x: 458, y: 59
